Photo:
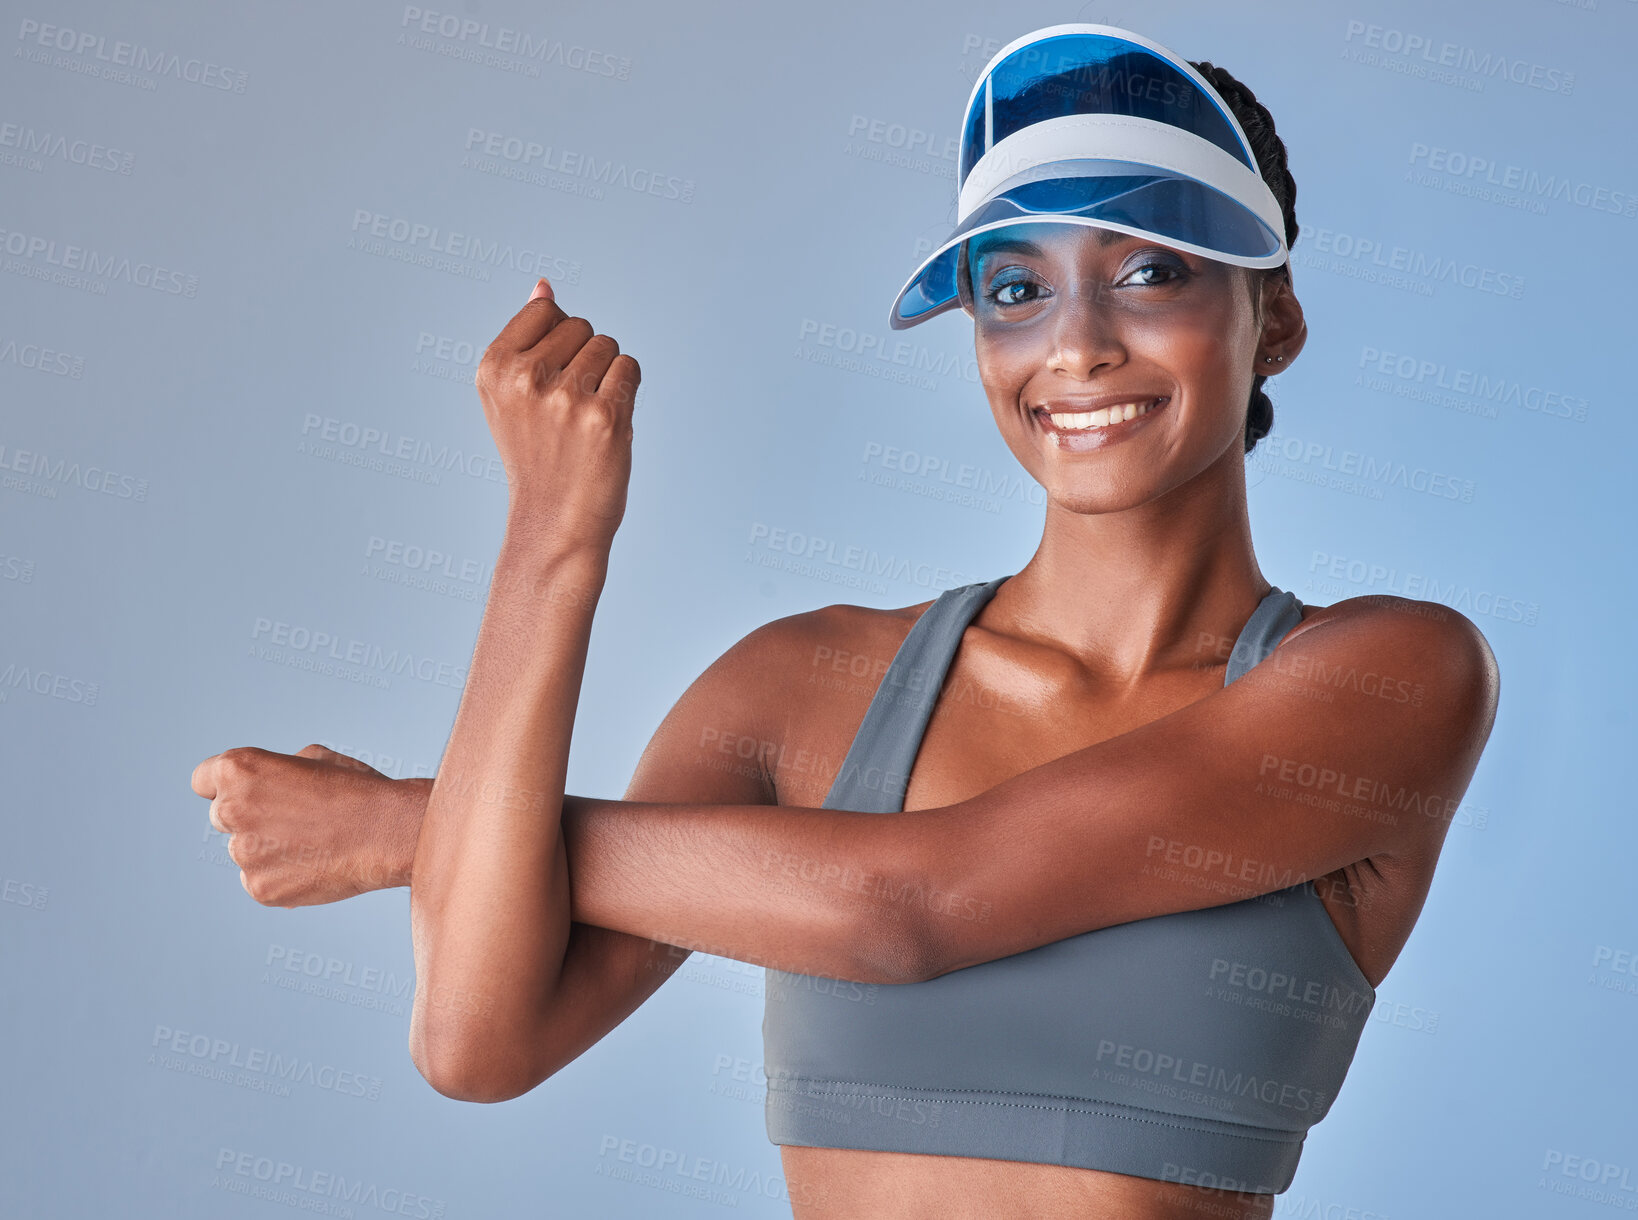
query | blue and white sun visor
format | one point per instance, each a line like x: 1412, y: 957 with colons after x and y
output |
x: 1096, y: 125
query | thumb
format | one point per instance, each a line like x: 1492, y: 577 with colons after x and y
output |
x: 543, y: 288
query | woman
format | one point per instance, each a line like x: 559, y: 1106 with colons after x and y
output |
x: 1175, y: 783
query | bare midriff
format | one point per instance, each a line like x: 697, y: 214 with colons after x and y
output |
x: 831, y: 1183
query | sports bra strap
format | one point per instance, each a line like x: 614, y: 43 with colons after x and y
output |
x: 877, y: 766
x: 1277, y: 613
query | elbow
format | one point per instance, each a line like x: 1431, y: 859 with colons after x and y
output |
x: 931, y: 922
x: 922, y: 922
x: 897, y: 946
x: 462, y: 1063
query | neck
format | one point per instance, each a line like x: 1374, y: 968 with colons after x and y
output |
x: 1143, y: 590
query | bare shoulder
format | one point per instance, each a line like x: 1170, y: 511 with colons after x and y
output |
x: 1424, y: 645
x: 1408, y: 621
x: 835, y: 647
x: 842, y: 625
x: 810, y: 677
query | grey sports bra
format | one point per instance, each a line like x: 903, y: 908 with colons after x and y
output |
x: 1195, y: 1047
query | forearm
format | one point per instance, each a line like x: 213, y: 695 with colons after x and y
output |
x: 489, y: 900
x: 811, y: 891
x: 805, y: 890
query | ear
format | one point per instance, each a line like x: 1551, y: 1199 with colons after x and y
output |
x: 1284, y: 328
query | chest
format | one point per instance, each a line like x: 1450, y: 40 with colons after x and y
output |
x: 995, y: 717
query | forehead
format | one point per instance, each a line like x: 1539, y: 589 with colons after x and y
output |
x: 1043, y: 240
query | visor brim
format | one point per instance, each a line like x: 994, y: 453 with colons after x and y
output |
x: 1127, y: 198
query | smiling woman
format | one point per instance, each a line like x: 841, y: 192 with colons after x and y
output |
x: 1101, y: 943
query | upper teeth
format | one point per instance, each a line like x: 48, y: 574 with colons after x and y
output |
x: 1101, y: 417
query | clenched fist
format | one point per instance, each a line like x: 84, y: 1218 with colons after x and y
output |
x: 311, y: 827
x: 558, y: 399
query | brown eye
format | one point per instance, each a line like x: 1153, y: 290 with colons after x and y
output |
x: 1168, y: 273
x: 1006, y: 292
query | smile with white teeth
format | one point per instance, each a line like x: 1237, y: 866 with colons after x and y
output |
x: 1104, y: 416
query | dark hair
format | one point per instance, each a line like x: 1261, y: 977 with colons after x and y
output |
x: 1271, y: 162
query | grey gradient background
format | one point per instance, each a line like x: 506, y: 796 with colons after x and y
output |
x: 177, y: 487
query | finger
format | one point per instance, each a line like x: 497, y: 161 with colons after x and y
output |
x: 620, y: 381
x: 538, y: 317
x: 216, y: 816
x: 557, y: 349
x: 318, y: 753
x: 591, y: 362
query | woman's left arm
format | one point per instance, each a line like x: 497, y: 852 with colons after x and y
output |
x: 1356, y: 738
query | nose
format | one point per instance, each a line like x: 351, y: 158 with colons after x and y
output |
x: 1084, y: 333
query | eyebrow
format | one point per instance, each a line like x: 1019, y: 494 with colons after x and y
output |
x: 1019, y: 245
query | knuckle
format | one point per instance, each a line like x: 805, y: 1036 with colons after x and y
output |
x: 242, y: 761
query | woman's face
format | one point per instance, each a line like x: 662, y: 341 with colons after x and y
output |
x: 1070, y: 319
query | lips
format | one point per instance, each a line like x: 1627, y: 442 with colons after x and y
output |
x: 1080, y: 424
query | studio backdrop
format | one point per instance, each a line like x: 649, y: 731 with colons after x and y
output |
x: 251, y: 257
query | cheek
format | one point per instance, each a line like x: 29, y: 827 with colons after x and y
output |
x: 1005, y: 364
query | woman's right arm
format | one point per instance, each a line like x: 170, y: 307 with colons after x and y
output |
x: 697, y: 754
x: 318, y: 826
